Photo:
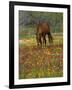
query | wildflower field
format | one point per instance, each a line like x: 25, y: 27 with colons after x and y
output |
x: 41, y: 62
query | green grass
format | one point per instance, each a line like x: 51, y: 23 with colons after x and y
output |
x: 57, y: 40
x: 37, y: 62
x: 40, y: 62
x: 26, y: 32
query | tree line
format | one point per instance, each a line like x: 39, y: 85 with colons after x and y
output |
x: 32, y: 18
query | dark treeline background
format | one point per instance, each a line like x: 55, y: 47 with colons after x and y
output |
x: 28, y: 21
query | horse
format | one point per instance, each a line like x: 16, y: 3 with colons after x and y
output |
x: 43, y: 29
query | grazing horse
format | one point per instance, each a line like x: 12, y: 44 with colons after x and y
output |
x: 43, y: 29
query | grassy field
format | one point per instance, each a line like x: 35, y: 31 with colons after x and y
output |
x: 40, y: 62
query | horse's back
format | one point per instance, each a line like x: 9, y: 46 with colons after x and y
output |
x: 43, y: 27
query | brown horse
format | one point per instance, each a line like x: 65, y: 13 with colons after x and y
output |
x: 43, y: 29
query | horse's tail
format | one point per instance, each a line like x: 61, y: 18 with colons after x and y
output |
x: 50, y: 37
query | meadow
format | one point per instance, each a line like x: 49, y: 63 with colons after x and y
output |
x: 40, y: 62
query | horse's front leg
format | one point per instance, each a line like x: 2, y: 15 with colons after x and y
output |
x: 44, y: 40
